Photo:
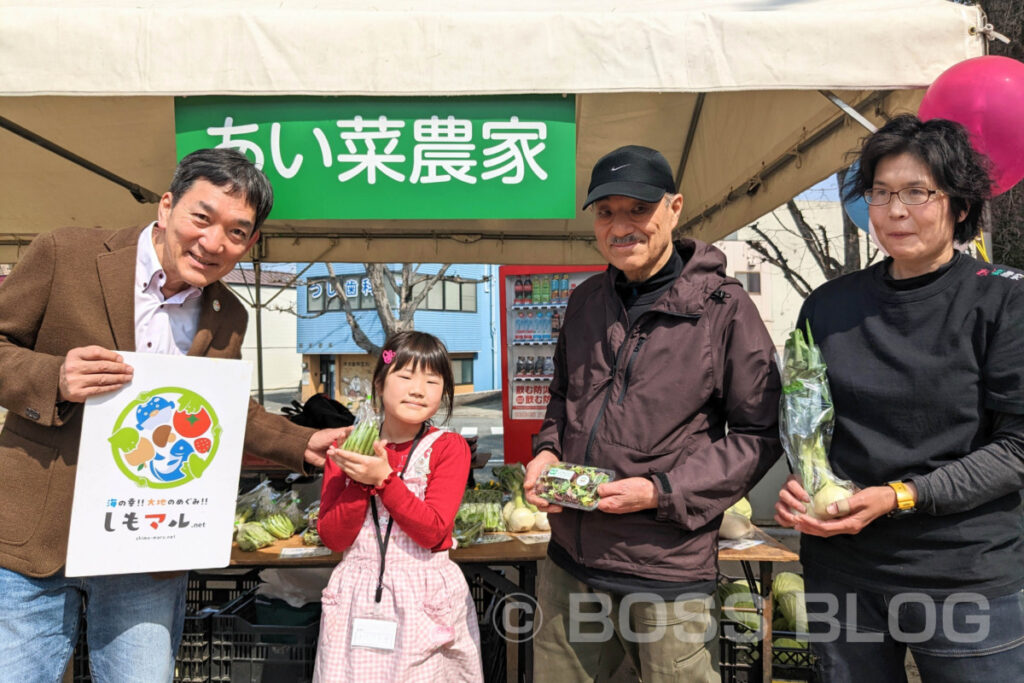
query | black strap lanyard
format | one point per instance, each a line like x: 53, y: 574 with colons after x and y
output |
x: 382, y: 543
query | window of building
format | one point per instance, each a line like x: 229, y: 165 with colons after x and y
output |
x: 449, y: 295
x: 751, y: 280
x: 469, y: 296
x: 435, y: 298
x: 462, y: 370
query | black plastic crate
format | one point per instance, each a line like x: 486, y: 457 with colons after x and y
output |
x: 206, y: 593
x: 218, y: 589
x: 243, y: 650
x: 488, y: 599
x: 741, y: 657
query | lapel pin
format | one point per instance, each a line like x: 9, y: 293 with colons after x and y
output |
x: 216, y: 305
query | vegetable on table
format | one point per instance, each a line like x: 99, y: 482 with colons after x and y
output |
x: 806, y: 420
x: 518, y: 515
x: 278, y: 525
x: 469, y: 524
x: 252, y: 536
x: 734, y: 526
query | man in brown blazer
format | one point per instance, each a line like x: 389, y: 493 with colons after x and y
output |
x: 75, y: 296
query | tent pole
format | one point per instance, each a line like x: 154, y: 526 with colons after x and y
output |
x: 850, y: 111
x: 691, y: 133
x: 141, y: 194
x: 257, y: 271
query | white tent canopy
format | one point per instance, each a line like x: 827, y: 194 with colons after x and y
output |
x: 730, y: 91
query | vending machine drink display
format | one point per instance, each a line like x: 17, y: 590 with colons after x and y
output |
x: 533, y: 301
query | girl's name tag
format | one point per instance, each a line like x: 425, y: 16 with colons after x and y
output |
x: 378, y: 634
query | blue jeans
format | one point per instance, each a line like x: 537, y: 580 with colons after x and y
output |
x: 134, y: 624
x: 861, y: 635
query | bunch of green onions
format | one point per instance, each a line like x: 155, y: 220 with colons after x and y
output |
x: 806, y: 420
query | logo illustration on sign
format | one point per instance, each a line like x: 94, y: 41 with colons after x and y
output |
x: 166, y: 437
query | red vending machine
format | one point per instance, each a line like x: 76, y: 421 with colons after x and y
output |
x: 533, y: 300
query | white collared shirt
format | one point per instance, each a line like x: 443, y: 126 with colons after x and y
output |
x: 162, y: 325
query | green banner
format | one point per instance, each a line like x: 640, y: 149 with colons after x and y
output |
x: 397, y: 157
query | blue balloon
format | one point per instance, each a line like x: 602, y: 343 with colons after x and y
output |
x: 856, y: 209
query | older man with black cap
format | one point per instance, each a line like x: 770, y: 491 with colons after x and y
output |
x: 664, y: 374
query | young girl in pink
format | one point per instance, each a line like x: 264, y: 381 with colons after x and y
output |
x: 396, y: 608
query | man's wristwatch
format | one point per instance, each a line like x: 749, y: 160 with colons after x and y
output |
x: 905, y: 504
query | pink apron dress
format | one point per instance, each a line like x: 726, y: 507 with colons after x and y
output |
x: 424, y: 592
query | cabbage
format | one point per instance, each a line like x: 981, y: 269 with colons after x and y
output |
x: 787, y: 582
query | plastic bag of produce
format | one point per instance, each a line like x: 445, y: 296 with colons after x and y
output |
x: 469, y: 524
x: 288, y: 505
x: 806, y: 420
x: 367, y: 423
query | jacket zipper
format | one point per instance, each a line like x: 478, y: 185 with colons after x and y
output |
x: 593, y: 433
x: 629, y: 368
x: 604, y: 404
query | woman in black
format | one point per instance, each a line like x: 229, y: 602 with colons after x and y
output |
x: 925, y: 353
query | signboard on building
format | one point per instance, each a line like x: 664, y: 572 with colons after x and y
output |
x: 398, y: 158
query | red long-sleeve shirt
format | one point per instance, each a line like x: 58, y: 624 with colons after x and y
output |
x: 344, y: 502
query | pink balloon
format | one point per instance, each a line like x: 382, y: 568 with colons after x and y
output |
x: 986, y: 96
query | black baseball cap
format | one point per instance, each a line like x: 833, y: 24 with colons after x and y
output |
x: 631, y: 171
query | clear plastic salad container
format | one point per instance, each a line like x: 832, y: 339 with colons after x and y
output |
x: 572, y: 486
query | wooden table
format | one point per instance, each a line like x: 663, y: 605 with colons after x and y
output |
x: 510, y: 552
x: 481, y: 560
x: 765, y: 554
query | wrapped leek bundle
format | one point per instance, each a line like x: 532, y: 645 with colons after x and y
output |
x: 367, y: 429
x: 806, y: 420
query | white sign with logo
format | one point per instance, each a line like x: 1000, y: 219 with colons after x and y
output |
x: 158, y: 468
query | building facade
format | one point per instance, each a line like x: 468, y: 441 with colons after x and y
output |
x: 461, y: 309
x: 282, y: 366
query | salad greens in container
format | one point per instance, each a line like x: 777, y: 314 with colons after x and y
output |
x: 572, y: 486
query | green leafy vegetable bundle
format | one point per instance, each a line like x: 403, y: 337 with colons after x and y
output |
x: 573, y: 486
x: 806, y: 420
x: 469, y: 524
x: 367, y: 424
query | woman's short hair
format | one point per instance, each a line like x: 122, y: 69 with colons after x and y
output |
x: 945, y: 148
x: 416, y: 350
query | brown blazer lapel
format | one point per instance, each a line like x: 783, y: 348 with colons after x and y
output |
x: 211, y: 317
x: 116, y: 270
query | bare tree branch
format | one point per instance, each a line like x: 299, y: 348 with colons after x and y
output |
x: 778, y: 259
x: 358, y: 336
x: 375, y: 272
x: 818, y: 244
x: 430, y: 281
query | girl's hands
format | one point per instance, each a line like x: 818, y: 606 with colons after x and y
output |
x: 371, y: 470
x: 855, y: 512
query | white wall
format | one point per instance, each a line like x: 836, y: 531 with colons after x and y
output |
x: 282, y: 365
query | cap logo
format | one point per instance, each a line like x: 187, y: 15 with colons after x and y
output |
x: 618, y: 168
